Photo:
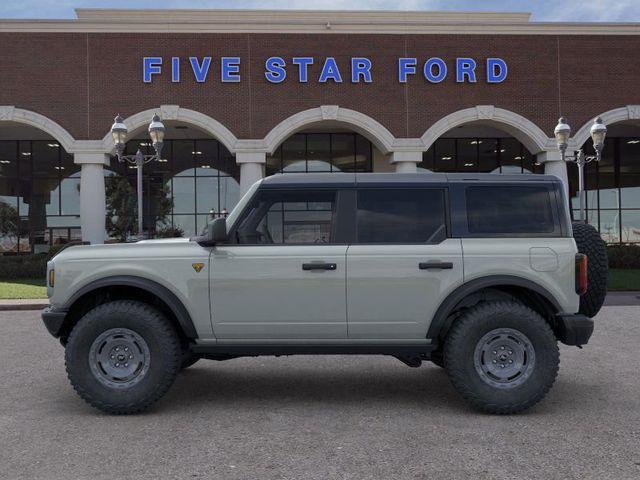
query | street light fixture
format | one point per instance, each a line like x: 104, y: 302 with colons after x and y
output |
x: 562, y: 133
x: 119, y: 133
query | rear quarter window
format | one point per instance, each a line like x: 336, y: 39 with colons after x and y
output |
x: 504, y: 210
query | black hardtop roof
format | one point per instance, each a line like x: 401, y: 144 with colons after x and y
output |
x: 380, y: 179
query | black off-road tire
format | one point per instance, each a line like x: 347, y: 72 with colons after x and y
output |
x: 151, y: 328
x: 437, y: 358
x: 188, y: 358
x: 591, y: 244
x: 470, y: 330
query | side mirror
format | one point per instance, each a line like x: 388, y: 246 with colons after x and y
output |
x: 216, y: 232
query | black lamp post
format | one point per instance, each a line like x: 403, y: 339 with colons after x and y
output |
x: 562, y: 133
x: 156, y: 132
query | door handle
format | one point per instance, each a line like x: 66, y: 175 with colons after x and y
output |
x: 435, y: 265
x: 319, y: 266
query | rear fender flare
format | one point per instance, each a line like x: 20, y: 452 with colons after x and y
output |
x: 439, y: 322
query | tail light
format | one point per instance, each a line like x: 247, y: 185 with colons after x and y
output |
x: 581, y: 274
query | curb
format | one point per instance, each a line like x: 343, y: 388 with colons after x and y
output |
x: 12, y: 305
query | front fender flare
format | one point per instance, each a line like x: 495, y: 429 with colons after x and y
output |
x: 163, y: 293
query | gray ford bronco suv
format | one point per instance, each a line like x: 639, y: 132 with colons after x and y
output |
x: 480, y: 274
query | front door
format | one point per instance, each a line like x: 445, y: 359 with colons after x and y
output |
x: 402, y: 264
x: 282, y: 276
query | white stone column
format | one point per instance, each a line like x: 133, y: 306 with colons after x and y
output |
x: 406, y: 162
x: 553, y: 165
x: 251, y: 168
x: 92, y: 195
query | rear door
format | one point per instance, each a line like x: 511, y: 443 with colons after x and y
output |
x: 402, y: 263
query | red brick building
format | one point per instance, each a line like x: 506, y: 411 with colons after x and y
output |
x: 249, y: 93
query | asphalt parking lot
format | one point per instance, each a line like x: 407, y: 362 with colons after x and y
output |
x: 334, y: 417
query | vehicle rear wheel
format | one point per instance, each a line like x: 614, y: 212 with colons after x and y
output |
x: 437, y: 358
x: 122, y: 356
x: 502, y: 357
x: 591, y: 244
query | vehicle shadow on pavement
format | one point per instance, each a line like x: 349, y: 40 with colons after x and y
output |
x: 421, y: 388
x: 427, y: 386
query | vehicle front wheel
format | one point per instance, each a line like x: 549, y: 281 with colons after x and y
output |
x: 502, y: 357
x: 122, y: 356
x: 188, y: 358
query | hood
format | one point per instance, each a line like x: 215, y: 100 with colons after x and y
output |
x: 117, y: 251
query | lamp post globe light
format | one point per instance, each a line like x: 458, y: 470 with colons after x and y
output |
x: 156, y: 133
x: 562, y: 133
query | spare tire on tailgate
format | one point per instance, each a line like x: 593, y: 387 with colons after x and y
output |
x: 591, y: 244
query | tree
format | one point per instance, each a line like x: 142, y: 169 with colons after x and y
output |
x: 9, y: 221
x: 122, y: 207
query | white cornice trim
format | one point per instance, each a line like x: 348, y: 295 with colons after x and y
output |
x: 622, y: 114
x: 363, y: 124
x: 531, y: 136
x: 297, y: 16
x: 177, y: 113
x: 10, y: 113
x: 303, y: 21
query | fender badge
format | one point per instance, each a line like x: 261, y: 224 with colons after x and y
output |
x: 197, y: 266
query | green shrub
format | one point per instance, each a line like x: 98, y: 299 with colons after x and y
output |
x: 13, y: 267
x: 169, y: 232
x: 624, y: 256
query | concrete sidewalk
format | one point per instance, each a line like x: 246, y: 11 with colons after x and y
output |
x: 613, y: 299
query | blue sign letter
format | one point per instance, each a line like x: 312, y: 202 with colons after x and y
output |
x: 303, y: 66
x: 465, y: 67
x: 230, y: 70
x: 150, y: 66
x: 200, y: 71
x: 406, y: 66
x: 175, y: 69
x: 275, y: 69
x: 496, y: 70
x: 428, y: 70
x: 360, y: 66
x: 330, y: 71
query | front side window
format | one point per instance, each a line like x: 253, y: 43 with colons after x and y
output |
x: 401, y: 216
x: 509, y: 210
x: 281, y: 217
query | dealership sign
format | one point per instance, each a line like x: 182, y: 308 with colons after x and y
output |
x: 310, y: 69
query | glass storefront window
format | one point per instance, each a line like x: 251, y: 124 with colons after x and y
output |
x: 609, y: 225
x: 613, y: 190
x: 207, y: 192
x: 294, y: 154
x: 200, y: 178
x: 467, y: 154
x: 486, y: 155
x: 322, y: 152
x: 630, y: 222
x: 39, y: 195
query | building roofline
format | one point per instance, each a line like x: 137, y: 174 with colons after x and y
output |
x: 286, y: 15
x: 311, y: 21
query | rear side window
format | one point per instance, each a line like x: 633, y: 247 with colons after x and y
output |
x: 509, y: 210
x: 401, y: 216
